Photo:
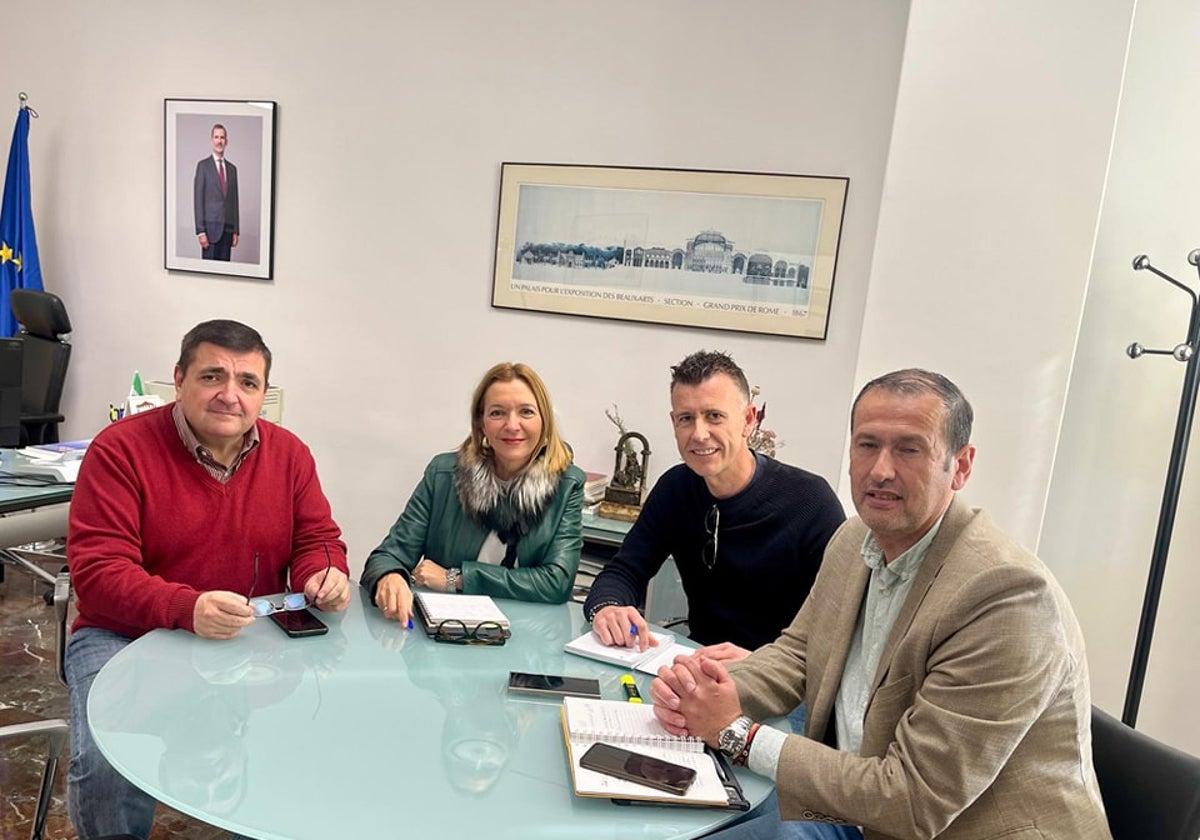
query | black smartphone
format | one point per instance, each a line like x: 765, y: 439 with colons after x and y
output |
x: 553, y: 685
x: 299, y: 623
x: 635, y: 767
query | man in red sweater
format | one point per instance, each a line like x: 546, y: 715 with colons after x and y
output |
x: 179, y: 513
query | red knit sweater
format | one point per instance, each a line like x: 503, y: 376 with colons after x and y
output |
x: 150, y: 529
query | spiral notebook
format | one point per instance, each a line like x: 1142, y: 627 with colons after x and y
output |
x: 634, y: 727
x: 471, y: 610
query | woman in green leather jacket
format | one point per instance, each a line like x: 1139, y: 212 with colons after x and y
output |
x: 500, y: 517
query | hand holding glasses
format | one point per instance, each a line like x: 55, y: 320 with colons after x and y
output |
x: 289, y: 601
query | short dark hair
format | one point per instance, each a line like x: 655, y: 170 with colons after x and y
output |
x: 213, y: 130
x: 231, y: 335
x: 704, y: 364
x: 914, y: 382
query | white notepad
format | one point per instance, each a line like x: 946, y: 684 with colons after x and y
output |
x: 471, y: 610
x: 647, y: 661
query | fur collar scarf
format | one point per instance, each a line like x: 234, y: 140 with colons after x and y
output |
x: 510, y: 511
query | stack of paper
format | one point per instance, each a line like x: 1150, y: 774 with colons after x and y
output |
x: 593, y: 487
x: 68, y: 450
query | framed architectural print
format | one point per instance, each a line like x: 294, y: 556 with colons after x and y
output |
x: 219, y: 186
x: 724, y: 250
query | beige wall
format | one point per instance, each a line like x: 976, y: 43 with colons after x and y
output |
x: 394, y: 118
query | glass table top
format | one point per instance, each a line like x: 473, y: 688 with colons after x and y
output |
x: 371, y: 730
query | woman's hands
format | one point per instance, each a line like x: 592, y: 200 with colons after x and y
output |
x: 430, y: 576
x: 394, y: 598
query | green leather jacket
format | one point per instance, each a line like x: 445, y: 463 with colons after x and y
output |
x: 434, y: 525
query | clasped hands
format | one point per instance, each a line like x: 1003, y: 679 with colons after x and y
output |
x: 220, y: 614
x: 695, y: 696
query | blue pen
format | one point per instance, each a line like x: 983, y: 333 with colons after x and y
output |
x: 632, y: 629
x: 410, y: 625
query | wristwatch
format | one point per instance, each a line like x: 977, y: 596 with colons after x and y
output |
x: 732, y: 739
x: 452, y: 578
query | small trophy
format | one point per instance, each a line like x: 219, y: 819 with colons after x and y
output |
x: 623, y: 495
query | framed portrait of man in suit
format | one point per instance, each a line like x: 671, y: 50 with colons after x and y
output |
x: 219, y: 186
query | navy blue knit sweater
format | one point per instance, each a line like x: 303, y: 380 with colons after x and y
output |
x: 771, y: 539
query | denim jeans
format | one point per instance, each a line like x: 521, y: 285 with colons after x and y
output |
x: 798, y: 717
x: 763, y: 823
x: 99, y: 798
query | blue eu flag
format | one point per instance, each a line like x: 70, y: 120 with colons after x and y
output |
x: 19, y: 264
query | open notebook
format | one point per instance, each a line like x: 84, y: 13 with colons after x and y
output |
x: 646, y: 661
x: 634, y: 727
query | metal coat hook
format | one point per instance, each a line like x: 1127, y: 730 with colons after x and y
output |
x: 1186, y: 353
x: 25, y: 106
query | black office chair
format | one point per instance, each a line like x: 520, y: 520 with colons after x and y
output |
x: 44, y: 323
x: 1149, y: 789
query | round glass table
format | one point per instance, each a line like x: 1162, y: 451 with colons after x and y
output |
x: 371, y: 730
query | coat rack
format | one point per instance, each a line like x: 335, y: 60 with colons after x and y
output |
x: 1186, y: 353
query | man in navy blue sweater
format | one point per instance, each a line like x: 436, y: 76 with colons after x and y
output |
x: 747, y: 533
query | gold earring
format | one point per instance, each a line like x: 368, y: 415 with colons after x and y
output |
x: 485, y: 443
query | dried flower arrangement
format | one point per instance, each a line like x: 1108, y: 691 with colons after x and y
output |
x: 762, y: 440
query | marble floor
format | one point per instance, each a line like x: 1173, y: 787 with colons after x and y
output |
x: 29, y: 684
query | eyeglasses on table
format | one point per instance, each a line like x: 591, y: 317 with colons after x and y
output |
x: 289, y: 601
x: 456, y: 632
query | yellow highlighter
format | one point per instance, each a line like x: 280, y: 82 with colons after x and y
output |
x: 631, y: 691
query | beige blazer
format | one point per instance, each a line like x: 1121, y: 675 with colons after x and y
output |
x: 979, y: 722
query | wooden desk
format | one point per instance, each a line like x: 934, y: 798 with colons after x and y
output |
x: 369, y: 731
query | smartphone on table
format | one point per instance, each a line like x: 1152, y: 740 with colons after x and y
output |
x: 636, y: 767
x: 299, y: 623
x: 550, y: 684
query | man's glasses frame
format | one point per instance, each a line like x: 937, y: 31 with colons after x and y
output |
x: 712, y: 527
x: 291, y: 601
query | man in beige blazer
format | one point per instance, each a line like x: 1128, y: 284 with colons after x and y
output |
x: 942, y: 664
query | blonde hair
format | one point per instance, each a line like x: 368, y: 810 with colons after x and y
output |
x: 554, y: 452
